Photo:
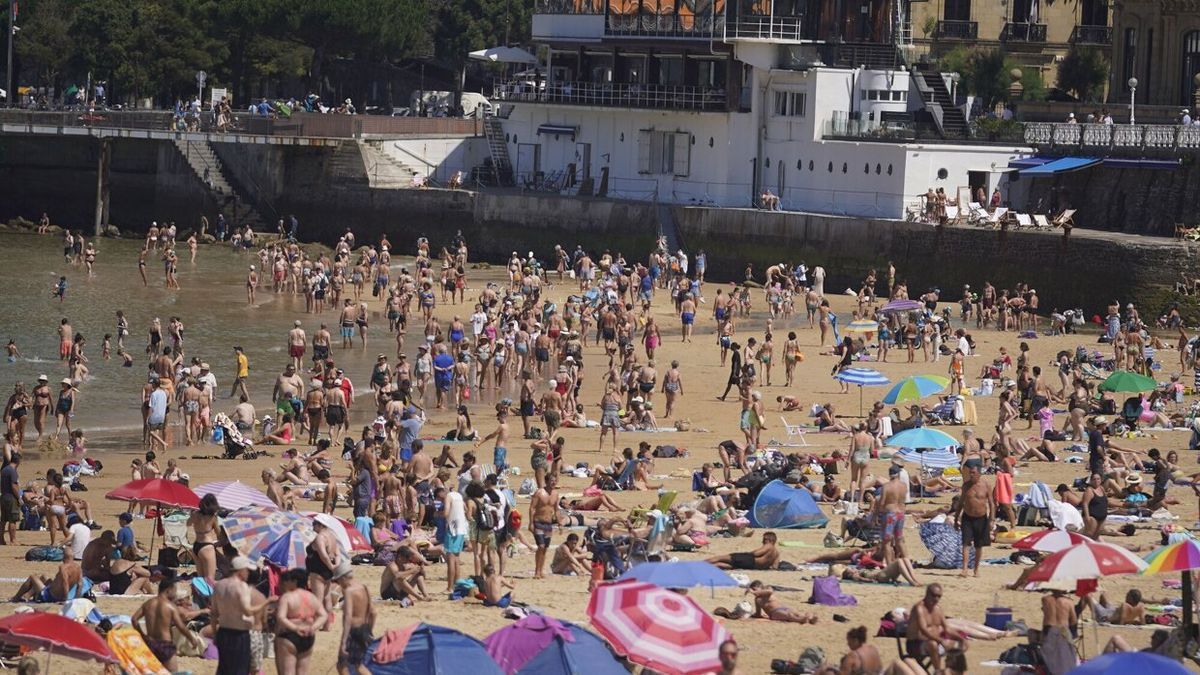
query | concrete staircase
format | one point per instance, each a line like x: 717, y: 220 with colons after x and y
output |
x: 207, y: 166
x: 668, y: 229
x: 954, y: 123
x: 383, y: 170
x: 501, y: 164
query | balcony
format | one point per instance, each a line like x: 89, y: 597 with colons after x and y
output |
x: 1170, y: 138
x: 957, y: 30
x: 1092, y: 35
x: 612, y: 95
x: 764, y: 28
x: 663, y: 25
x: 1023, y: 32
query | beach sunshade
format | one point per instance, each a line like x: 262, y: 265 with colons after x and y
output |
x: 540, y: 645
x: 252, y: 529
x: 1181, y: 556
x: 922, y: 438
x: 940, y: 458
x: 862, y: 326
x: 288, y: 551
x: 56, y: 634
x: 435, y: 650
x: 1128, y: 382
x: 234, y: 494
x: 781, y: 506
x: 863, y: 377
x: 682, y: 574
x: 503, y: 55
x: 351, y: 540
x: 657, y: 628
x: 1089, y: 560
x: 1122, y: 663
x: 901, y: 306
x: 1050, y: 541
x: 915, y: 388
x: 157, y: 490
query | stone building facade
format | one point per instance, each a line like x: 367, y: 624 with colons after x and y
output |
x: 1158, y: 42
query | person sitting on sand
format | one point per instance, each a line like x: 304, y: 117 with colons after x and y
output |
x: 788, y: 403
x: 827, y: 421
x: 862, y: 659
x: 281, y: 436
x: 600, y: 502
x: 404, y: 577
x: 493, y: 589
x: 1132, y: 612
x: 570, y: 558
x: 67, y: 583
x: 831, y: 493
x: 766, y: 606
x: 295, y: 470
x: 1158, y: 643
x: 765, y: 557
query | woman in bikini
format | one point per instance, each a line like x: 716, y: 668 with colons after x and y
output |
x: 204, y: 523
x: 672, y: 387
x: 765, y: 606
x: 298, y: 617
x: 57, y: 502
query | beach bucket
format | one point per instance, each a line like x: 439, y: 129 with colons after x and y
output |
x: 997, y: 617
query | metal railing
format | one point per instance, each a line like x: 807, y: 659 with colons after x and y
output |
x: 957, y: 30
x: 611, y: 94
x: 1015, y: 31
x: 313, y: 125
x: 1091, y: 35
x: 764, y: 28
x: 1163, y: 137
x: 843, y: 128
x: 663, y: 25
x: 569, y: 7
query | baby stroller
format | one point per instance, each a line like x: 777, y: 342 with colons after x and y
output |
x: 236, y: 445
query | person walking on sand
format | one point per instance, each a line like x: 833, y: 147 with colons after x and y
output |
x: 297, y: 342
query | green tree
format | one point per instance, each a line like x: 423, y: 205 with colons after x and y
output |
x: 45, y: 44
x: 464, y: 26
x: 1083, y: 71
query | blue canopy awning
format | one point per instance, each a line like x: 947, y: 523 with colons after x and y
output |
x: 1029, y: 162
x: 558, y: 129
x: 1061, y: 165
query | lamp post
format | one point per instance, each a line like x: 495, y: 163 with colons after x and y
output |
x: 12, y: 31
x: 1132, y: 100
x: 954, y: 89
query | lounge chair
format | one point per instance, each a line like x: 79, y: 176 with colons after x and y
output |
x: 795, y: 434
x: 976, y: 214
x: 1065, y: 219
x: 953, y: 215
x: 1041, y: 222
x: 996, y: 217
x: 1023, y: 220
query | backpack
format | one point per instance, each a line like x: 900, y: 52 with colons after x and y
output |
x: 44, y: 554
x: 485, y: 517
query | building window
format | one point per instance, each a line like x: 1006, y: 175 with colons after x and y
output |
x: 790, y: 103
x: 958, y: 10
x: 1191, y: 64
x: 1130, y: 57
x: 884, y: 95
x: 664, y: 152
x: 1093, y: 13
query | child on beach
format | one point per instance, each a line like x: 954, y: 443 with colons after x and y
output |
x: 13, y: 352
x: 60, y: 289
x: 78, y: 443
x: 106, y: 347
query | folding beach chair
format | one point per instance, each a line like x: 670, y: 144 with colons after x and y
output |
x: 953, y: 215
x: 976, y: 214
x: 795, y: 434
x: 1023, y: 220
x: 1065, y: 219
x: 1041, y: 222
x: 996, y: 217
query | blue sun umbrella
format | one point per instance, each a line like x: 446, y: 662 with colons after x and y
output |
x: 863, y: 377
x: 922, y: 438
x: 682, y: 574
x: 1130, y: 662
x: 915, y: 388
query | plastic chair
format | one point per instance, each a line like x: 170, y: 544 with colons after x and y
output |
x: 795, y: 434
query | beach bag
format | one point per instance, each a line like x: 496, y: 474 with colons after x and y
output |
x: 666, y: 451
x: 828, y: 591
x: 44, y: 554
x: 485, y: 518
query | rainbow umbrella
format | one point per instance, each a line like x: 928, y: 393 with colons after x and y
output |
x: 1182, y: 556
x: 915, y: 388
x: 862, y: 326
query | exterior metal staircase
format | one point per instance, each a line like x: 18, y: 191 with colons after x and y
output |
x: 501, y: 164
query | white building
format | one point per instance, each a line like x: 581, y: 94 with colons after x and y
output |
x: 699, y: 102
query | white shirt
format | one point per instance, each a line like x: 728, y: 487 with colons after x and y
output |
x: 964, y: 345
x: 79, y: 535
x: 210, y: 385
x: 456, y: 522
x: 478, y: 321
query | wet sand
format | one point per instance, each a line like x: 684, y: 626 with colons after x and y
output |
x: 713, y: 421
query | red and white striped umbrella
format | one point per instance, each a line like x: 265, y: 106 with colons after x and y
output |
x: 657, y: 628
x: 1089, y: 560
x: 234, y: 494
x: 1050, y: 541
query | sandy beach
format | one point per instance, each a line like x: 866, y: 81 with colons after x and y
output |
x: 712, y: 421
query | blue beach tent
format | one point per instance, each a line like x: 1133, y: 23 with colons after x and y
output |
x: 782, y: 506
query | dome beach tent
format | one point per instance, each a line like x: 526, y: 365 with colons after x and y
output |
x: 781, y: 506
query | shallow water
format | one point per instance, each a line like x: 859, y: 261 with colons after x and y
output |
x: 211, y: 303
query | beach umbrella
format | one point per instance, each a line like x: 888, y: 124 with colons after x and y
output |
x: 1128, y: 382
x: 657, y: 628
x: 288, y: 551
x: 940, y: 458
x: 540, y: 645
x: 862, y: 326
x: 901, y: 306
x: 1050, y: 541
x: 681, y: 574
x: 1182, y: 556
x: 863, y: 377
x: 426, y: 649
x: 234, y: 494
x: 922, y: 438
x: 1120, y: 663
x: 1089, y: 560
x: 944, y: 541
x: 915, y: 388
x: 252, y: 529
x: 351, y: 540
x: 56, y: 634
x: 158, y: 491
x: 503, y: 55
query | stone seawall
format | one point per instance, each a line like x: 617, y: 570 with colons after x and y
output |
x: 1087, y: 269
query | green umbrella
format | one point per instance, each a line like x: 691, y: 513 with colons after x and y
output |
x: 1130, y: 382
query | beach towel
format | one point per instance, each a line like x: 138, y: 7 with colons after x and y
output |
x: 133, y: 654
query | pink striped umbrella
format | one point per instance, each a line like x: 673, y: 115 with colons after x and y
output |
x: 1089, y: 560
x: 234, y: 494
x: 1050, y: 541
x: 348, y: 536
x: 657, y: 628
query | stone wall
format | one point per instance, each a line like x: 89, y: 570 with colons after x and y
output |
x: 1087, y: 269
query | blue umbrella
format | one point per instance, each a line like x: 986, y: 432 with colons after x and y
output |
x: 915, y: 388
x: 1130, y: 662
x: 540, y: 645
x: 922, y: 438
x: 436, y: 650
x: 934, y: 459
x: 863, y: 377
x: 683, y: 574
